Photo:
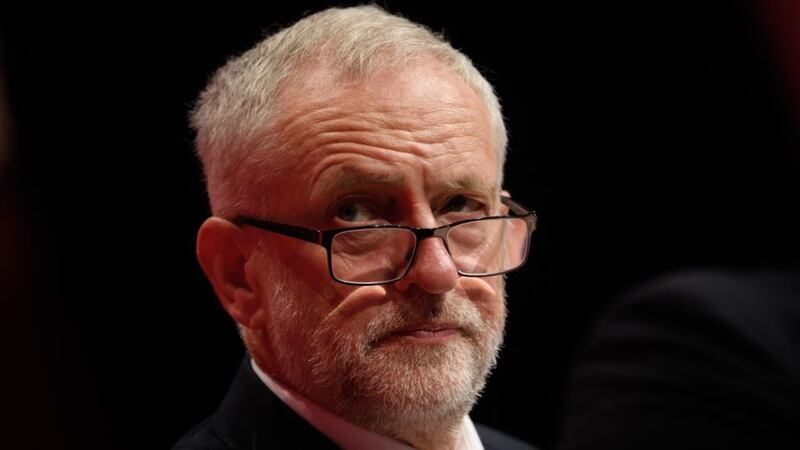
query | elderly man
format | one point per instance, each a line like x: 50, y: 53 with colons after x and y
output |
x: 354, y: 167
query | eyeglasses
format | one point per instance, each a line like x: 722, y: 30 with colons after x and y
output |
x: 381, y: 254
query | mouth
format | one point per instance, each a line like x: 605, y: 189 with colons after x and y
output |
x: 428, y: 333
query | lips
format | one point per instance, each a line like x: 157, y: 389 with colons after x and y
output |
x: 431, y: 327
x: 425, y: 333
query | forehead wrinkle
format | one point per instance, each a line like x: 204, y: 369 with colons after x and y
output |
x: 370, y: 121
x: 379, y: 144
x: 316, y: 118
x: 382, y: 129
x: 424, y: 124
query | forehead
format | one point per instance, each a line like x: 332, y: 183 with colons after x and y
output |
x: 419, y: 124
x: 394, y: 88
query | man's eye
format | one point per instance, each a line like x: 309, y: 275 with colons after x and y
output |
x: 354, y: 212
x: 460, y: 203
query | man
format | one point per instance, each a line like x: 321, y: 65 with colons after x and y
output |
x: 374, y: 335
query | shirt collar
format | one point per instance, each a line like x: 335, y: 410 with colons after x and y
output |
x: 347, y: 435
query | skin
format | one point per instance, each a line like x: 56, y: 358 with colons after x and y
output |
x: 407, y: 359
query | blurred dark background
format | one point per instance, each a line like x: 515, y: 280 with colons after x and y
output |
x: 651, y: 136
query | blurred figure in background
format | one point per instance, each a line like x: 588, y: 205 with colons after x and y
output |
x: 699, y: 360
x: 704, y: 359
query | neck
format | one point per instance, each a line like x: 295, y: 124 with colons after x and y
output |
x: 422, y: 433
x: 448, y: 440
x: 424, y: 427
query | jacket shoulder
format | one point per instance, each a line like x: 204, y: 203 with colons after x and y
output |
x: 497, y: 440
x: 201, y: 438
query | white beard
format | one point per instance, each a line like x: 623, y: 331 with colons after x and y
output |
x: 382, y: 382
x: 390, y: 386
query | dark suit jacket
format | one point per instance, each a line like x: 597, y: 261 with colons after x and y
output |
x: 697, y: 361
x: 252, y: 417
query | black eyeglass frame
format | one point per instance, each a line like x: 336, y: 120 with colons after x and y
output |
x: 324, y: 238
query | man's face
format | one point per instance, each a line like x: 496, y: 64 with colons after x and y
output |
x: 414, y: 148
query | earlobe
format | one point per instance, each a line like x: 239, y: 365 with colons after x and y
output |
x: 223, y: 253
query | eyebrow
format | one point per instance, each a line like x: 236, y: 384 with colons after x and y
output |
x: 468, y: 182
x: 349, y: 177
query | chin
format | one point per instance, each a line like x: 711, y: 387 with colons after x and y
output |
x: 386, y: 371
x: 399, y: 382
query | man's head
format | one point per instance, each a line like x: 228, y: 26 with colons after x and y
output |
x: 355, y: 117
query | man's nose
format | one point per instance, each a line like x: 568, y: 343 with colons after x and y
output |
x: 432, y: 269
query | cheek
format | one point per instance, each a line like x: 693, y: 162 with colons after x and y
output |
x: 361, y: 314
x: 292, y: 297
x: 488, y: 296
x: 306, y: 265
x: 305, y: 260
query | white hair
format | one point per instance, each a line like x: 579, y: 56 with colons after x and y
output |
x: 236, y: 113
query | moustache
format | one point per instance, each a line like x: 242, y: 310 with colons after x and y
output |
x: 426, y: 312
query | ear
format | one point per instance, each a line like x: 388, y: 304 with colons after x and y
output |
x: 223, y: 253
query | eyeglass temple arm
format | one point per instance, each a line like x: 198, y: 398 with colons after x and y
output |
x: 306, y: 234
x: 515, y: 207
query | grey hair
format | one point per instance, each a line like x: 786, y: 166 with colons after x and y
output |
x: 237, y: 112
